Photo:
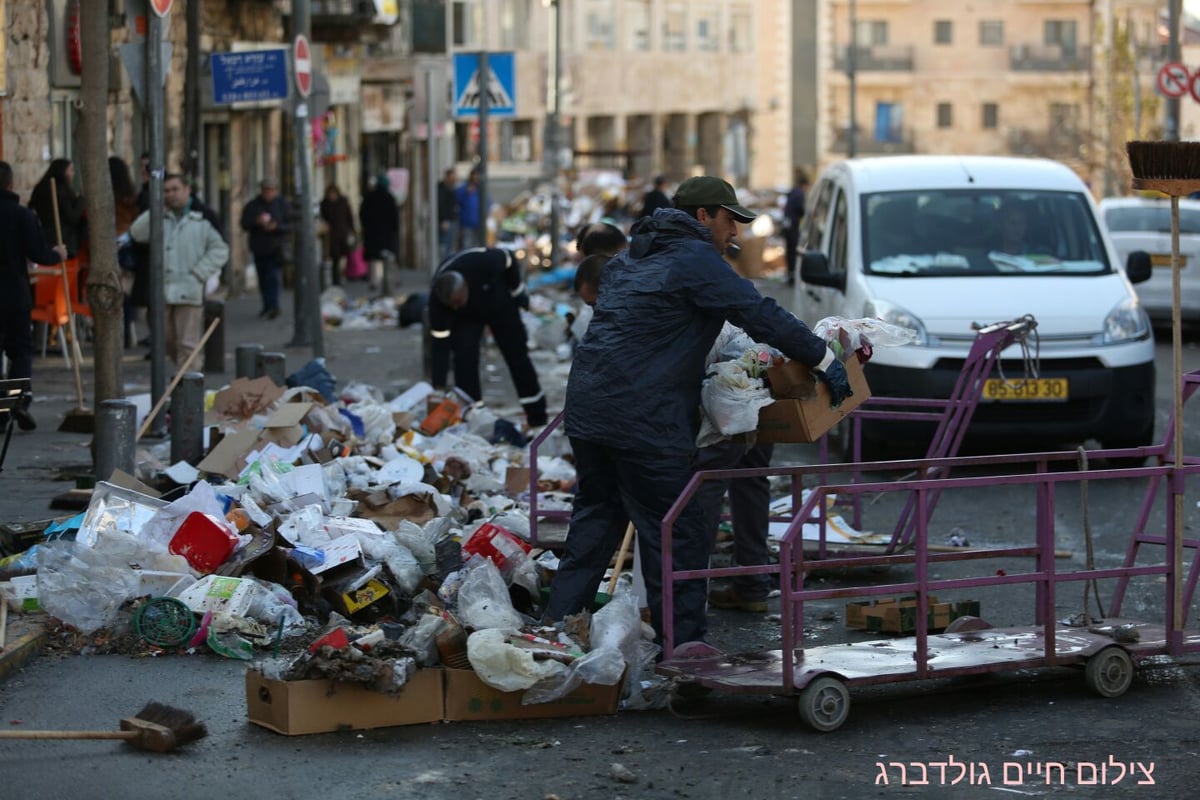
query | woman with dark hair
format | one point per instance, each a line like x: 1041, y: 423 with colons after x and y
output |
x: 70, y: 206
x: 341, y: 237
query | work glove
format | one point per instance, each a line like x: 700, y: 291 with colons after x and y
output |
x: 834, y: 376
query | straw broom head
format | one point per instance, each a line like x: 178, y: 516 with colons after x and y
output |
x: 1164, y: 160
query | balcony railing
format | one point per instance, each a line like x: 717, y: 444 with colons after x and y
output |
x: 897, y: 141
x: 1058, y: 143
x: 877, y: 58
x: 1048, y: 58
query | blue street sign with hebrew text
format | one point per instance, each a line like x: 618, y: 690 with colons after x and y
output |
x: 249, y: 76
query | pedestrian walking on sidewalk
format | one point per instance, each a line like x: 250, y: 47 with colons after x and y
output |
x: 193, y: 252
x: 471, y: 230
x: 448, y: 214
x: 478, y: 288
x: 380, y: 218
x: 633, y: 395
x: 21, y: 241
x: 265, y: 218
x: 340, y: 234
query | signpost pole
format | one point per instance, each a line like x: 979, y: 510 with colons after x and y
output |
x: 484, y: 88
x: 154, y: 110
x: 307, y: 329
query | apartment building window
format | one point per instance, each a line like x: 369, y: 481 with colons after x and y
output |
x: 943, y: 31
x: 945, y: 115
x: 741, y: 29
x: 600, y: 24
x: 1061, y: 32
x: 991, y: 32
x: 1064, y: 117
x: 707, y: 37
x: 871, y: 32
x: 637, y: 17
x: 991, y: 116
x: 674, y: 27
x: 468, y: 24
x: 514, y: 24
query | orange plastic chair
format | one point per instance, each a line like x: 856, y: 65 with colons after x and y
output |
x: 77, y: 276
x: 50, y: 308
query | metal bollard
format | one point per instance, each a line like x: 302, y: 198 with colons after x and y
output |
x: 214, y: 348
x: 116, y: 438
x: 273, y: 366
x: 187, y: 419
x: 245, y: 359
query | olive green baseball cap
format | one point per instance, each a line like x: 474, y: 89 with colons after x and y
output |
x: 708, y: 191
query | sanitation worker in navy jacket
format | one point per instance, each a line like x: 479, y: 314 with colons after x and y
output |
x: 633, y: 396
x: 476, y: 288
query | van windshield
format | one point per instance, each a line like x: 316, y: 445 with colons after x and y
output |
x: 935, y: 232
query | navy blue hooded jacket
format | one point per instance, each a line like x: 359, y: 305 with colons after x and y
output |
x: 635, y: 381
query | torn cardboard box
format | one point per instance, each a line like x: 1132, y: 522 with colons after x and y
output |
x: 246, y: 397
x: 801, y: 411
x: 299, y: 707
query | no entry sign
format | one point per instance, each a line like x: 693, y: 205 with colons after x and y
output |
x: 1173, y: 80
x: 302, y: 65
x: 161, y: 7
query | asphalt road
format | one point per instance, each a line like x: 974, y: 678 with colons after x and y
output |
x: 1005, y: 727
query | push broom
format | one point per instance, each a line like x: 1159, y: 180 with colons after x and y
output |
x: 80, y: 419
x: 158, y: 728
x: 1172, y: 168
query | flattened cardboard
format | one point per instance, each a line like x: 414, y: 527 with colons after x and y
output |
x: 793, y: 420
x: 299, y: 707
x: 469, y: 698
x: 284, y: 427
x: 516, y: 480
x: 246, y: 397
x: 228, y: 458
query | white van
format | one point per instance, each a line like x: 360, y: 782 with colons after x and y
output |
x: 936, y: 243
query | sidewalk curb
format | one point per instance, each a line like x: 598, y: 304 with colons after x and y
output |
x: 22, y: 649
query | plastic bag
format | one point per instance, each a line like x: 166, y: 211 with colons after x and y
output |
x: 420, y: 544
x: 158, y: 532
x: 422, y: 639
x: 855, y: 334
x: 731, y: 400
x: 274, y: 606
x: 82, y: 586
x: 505, y: 667
x: 483, y: 600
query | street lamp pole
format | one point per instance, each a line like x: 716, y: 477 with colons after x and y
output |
x: 851, y: 68
x: 552, y: 142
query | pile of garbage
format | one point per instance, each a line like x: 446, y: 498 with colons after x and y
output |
x: 358, y: 540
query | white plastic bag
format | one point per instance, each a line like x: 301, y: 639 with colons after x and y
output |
x: 853, y: 334
x: 505, y: 667
x: 731, y: 398
x: 483, y: 600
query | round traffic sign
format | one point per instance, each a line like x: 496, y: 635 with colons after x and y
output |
x: 1173, y: 79
x: 302, y: 65
x: 161, y: 7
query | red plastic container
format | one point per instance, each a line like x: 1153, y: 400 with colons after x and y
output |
x: 497, y: 544
x: 204, y: 541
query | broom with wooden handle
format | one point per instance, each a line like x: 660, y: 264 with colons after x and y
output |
x: 1172, y: 168
x: 158, y: 728
x: 183, y: 368
x: 80, y: 419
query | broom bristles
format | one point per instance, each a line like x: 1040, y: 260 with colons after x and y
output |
x: 1164, y: 160
x: 182, y: 723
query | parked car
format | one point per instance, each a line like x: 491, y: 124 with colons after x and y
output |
x: 939, y: 243
x: 1144, y: 223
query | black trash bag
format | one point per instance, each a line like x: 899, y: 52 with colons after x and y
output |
x: 412, y: 308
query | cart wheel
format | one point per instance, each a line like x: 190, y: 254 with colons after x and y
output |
x: 1109, y: 673
x: 825, y: 704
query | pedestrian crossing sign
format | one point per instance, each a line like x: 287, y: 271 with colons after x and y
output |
x: 500, y: 85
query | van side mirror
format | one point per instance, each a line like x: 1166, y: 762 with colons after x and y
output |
x: 1138, y: 266
x: 814, y: 269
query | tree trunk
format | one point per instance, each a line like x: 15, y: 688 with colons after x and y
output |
x: 104, y: 278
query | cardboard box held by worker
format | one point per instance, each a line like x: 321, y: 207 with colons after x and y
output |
x: 801, y: 411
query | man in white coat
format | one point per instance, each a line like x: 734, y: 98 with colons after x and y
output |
x: 193, y: 252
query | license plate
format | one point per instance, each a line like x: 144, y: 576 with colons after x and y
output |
x: 1164, y: 259
x: 1026, y: 389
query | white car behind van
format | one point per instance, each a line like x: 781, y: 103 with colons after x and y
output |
x: 938, y: 243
